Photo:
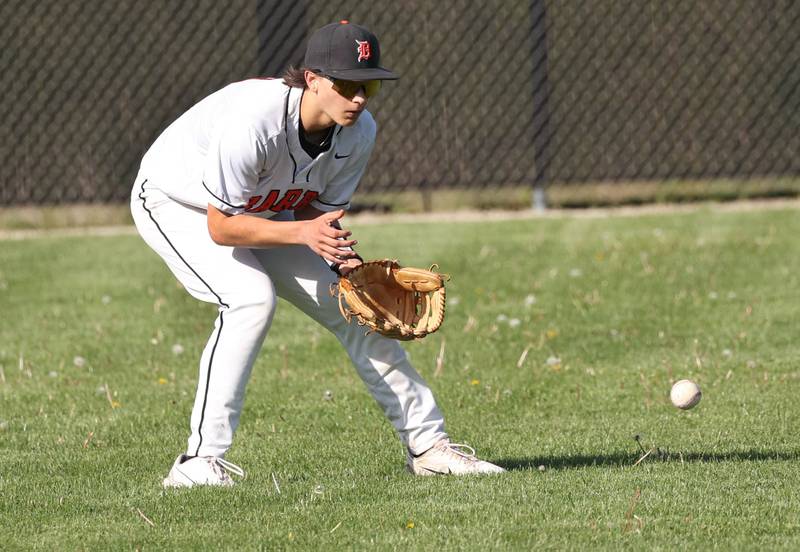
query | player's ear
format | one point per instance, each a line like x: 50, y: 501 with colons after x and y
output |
x: 312, y: 80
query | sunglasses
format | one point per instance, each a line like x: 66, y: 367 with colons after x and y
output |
x: 349, y: 89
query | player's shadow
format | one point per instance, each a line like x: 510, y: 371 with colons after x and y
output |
x: 623, y: 459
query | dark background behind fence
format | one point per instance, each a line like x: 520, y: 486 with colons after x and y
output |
x: 493, y: 93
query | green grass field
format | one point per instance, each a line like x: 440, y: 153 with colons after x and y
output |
x: 562, y: 339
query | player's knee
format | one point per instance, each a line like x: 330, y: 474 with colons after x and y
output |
x: 258, y: 305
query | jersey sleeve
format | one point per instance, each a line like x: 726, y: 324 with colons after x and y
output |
x: 342, y: 186
x: 236, y: 155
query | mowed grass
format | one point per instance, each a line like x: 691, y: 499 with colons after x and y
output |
x: 562, y: 339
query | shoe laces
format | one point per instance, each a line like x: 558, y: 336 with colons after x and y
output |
x: 459, y: 450
x: 221, y: 467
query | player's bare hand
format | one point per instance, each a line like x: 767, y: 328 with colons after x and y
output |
x: 347, y: 266
x: 325, y: 239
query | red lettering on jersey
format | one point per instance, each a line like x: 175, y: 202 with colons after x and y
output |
x: 288, y: 200
x: 364, y: 51
x: 251, y: 202
x: 308, y: 198
x: 254, y: 207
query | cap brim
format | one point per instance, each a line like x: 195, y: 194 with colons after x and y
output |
x: 374, y: 73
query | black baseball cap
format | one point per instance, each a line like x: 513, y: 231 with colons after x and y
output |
x: 346, y: 51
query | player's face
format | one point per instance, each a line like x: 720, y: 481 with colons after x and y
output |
x: 343, y: 101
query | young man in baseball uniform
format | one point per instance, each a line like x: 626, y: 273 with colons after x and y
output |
x: 241, y: 196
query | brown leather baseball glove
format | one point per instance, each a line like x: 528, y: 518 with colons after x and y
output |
x: 398, y: 302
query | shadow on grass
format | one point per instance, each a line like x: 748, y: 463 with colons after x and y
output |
x: 623, y: 459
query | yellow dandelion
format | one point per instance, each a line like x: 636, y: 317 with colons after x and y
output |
x: 475, y: 382
x: 409, y: 524
x: 551, y: 333
x: 115, y: 404
x: 162, y: 381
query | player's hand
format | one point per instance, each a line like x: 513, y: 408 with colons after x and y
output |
x: 325, y: 240
x: 347, y: 266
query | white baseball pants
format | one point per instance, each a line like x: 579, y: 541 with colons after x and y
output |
x: 245, y: 284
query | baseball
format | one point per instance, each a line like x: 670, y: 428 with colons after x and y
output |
x: 685, y: 394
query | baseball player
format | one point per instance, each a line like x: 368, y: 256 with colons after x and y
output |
x: 241, y: 197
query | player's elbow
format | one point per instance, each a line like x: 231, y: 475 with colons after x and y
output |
x: 217, y: 223
x: 221, y: 235
x: 217, y: 237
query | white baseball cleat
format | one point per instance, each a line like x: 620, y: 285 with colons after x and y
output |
x: 201, y: 470
x: 449, y: 458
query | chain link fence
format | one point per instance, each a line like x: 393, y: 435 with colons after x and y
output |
x: 493, y: 94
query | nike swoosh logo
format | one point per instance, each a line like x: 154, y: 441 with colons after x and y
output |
x: 446, y: 471
x: 337, y: 156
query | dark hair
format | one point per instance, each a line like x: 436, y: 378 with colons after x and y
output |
x: 295, y: 77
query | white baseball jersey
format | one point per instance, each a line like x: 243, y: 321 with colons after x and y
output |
x: 239, y: 150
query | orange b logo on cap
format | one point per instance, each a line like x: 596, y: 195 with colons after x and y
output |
x: 364, y: 51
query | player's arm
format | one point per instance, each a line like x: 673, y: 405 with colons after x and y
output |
x: 321, y: 233
x: 308, y: 212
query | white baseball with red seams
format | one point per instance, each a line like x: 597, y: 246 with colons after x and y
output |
x: 685, y: 394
